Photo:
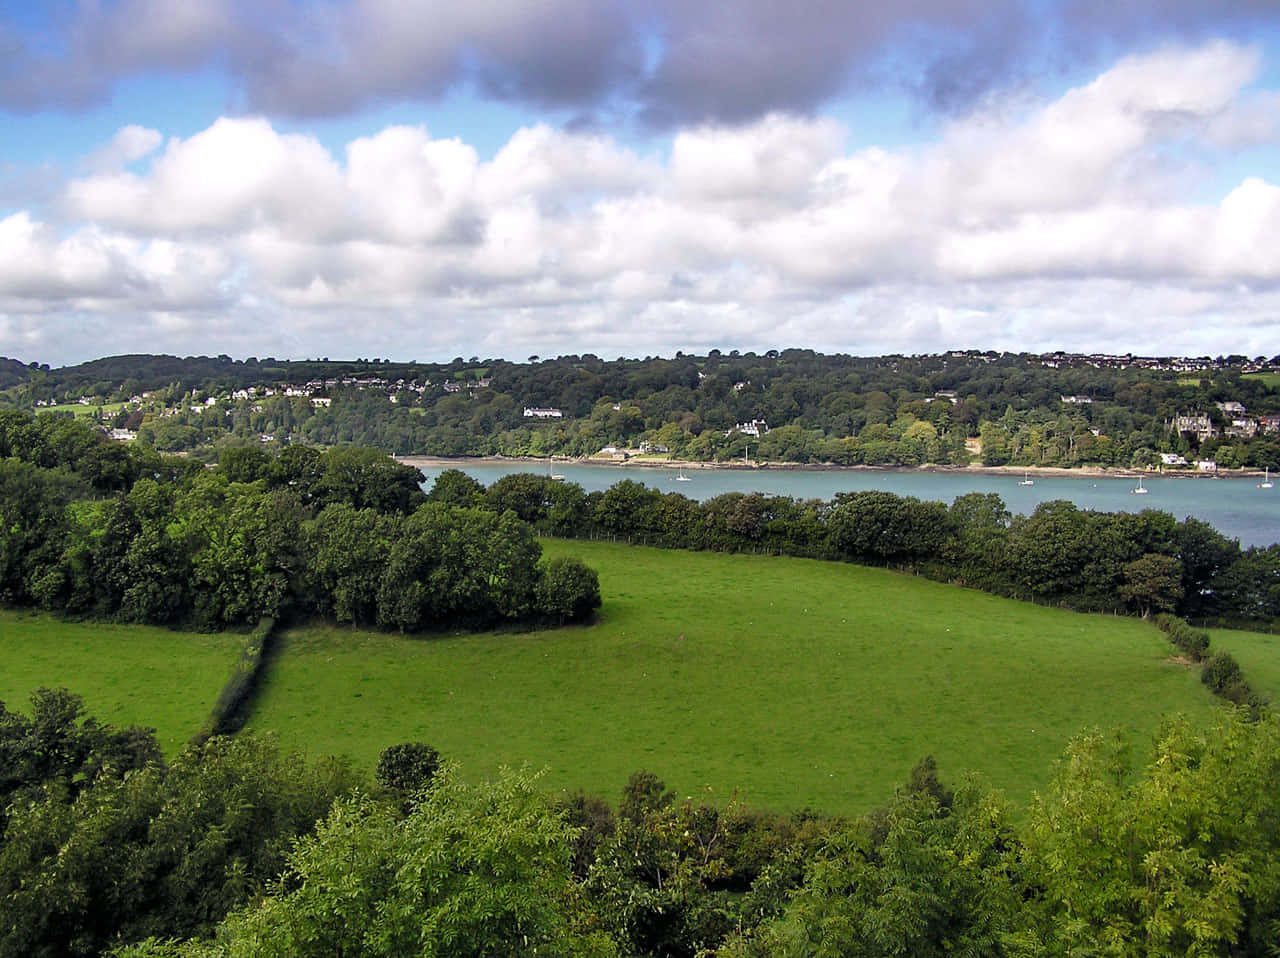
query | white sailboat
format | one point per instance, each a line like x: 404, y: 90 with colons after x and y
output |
x: 1139, y: 491
x: 1266, y: 479
x: 552, y: 474
x: 1026, y: 479
x: 681, y: 477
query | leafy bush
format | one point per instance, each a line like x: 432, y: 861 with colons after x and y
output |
x: 408, y: 767
x: 1221, y: 672
x: 568, y: 590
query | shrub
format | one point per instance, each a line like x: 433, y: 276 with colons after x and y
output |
x: 408, y: 767
x: 1221, y: 672
x: 568, y: 590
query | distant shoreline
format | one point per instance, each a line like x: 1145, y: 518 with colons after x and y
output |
x: 1043, y: 472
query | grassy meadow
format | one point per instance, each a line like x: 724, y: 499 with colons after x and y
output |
x: 127, y: 674
x: 797, y: 683
x: 1272, y: 380
x: 81, y: 410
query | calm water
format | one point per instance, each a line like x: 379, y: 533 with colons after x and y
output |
x: 1236, y: 507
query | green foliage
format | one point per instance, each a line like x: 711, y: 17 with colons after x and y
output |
x: 568, y: 589
x: 367, y: 478
x: 1193, y: 642
x: 164, y: 852
x: 62, y: 748
x: 1152, y: 582
x: 1220, y: 672
x: 349, y: 550
x: 33, y: 526
x: 407, y: 768
x: 1179, y: 858
x: 347, y: 533
x: 925, y: 880
x: 453, y: 487
x: 231, y: 709
x: 881, y: 527
x: 244, y: 463
x: 457, y: 566
x: 472, y: 870
x: 672, y: 877
x: 244, y: 554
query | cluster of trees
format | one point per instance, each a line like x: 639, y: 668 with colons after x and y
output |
x: 346, y: 534
x: 234, y: 849
x: 1140, y: 563
x: 840, y: 409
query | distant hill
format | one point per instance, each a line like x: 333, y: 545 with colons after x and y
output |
x: 141, y: 372
x: 13, y: 372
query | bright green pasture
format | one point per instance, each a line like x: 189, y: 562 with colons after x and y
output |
x: 1258, y: 654
x: 799, y: 683
x: 80, y: 409
x: 127, y: 674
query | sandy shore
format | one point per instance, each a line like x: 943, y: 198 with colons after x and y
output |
x: 655, y: 462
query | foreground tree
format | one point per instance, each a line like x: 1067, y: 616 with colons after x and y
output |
x: 918, y: 878
x: 1181, y: 858
x: 472, y: 870
x: 159, y: 851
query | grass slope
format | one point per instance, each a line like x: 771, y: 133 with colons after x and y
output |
x: 801, y: 683
x: 1258, y: 654
x: 127, y: 674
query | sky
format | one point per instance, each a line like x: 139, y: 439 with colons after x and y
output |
x: 417, y: 180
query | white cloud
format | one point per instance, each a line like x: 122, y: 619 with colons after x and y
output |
x: 130, y: 144
x: 1071, y: 218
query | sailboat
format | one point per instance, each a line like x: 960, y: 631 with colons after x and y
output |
x: 1266, y: 479
x: 1026, y: 479
x: 552, y: 474
x: 1139, y: 491
x: 681, y: 477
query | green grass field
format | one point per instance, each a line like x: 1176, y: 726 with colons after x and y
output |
x: 127, y: 674
x: 81, y: 410
x: 798, y: 683
x: 1258, y: 654
x: 1272, y: 380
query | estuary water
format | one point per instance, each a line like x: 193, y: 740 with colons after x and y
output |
x: 1235, y: 507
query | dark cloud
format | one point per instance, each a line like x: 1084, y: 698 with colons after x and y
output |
x: 667, y: 62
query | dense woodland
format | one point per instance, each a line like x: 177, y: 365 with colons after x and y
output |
x: 818, y: 409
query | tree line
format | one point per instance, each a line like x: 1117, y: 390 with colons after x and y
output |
x: 236, y: 848
x: 347, y: 534
x: 1134, y: 563
x: 846, y: 410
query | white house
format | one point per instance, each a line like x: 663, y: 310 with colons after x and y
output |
x: 1172, y: 459
x: 539, y: 412
x: 756, y: 428
x: 1206, y: 465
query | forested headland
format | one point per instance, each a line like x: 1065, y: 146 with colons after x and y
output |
x: 792, y: 405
